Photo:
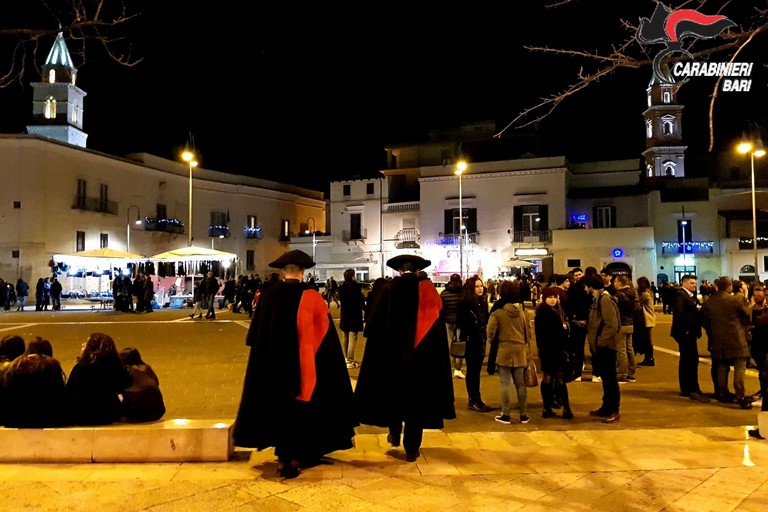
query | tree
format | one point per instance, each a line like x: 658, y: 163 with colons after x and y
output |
x: 93, y: 29
x: 626, y: 52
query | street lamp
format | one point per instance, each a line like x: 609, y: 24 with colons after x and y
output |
x: 461, y: 166
x: 754, y: 151
x: 189, y: 157
x: 314, y: 238
x: 128, y: 225
x: 684, y: 223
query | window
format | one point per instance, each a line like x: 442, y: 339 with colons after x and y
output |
x: 668, y: 168
x: 530, y: 217
x: 285, y: 230
x: 82, y: 190
x: 573, y: 263
x: 219, y: 219
x: 80, y: 241
x: 604, y: 217
x: 52, y: 76
x: 649, y: 167
x: 347, y: 190
x: 103, y: 198
x: 369, y: 188
x: 162, y: 211
x: 445, y: 156
x: 103, y: 240
x: 17, y: 205
x: 666, y: 97
x: 250, y: 221
x: 49, y: 109
x: 250, y: 259
x: 648, y: 128
x: 355, y: 226
x: 668, y: 125
x: 451, y: 221
x: 650, y: 99
x: 75, y: 114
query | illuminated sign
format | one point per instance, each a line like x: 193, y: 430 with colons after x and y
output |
x: 617, y: 253
x: 534, y: 251
x: 579, y: 217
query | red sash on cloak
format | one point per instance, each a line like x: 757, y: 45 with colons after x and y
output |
x: 429, y: 309
x: 312, y: 324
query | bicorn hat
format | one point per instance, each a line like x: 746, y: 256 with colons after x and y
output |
x: 295, y: 257
x: 417, y: 261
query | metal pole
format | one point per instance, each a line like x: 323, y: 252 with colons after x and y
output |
x: 754, y: 216
x: 461, y: 234
x: 189, y: 235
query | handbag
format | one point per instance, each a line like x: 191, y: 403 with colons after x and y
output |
x: 531, y: 377
x: 458, y: 348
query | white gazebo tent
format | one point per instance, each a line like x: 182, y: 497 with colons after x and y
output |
x: 92, y: 266
x: 193, y: 258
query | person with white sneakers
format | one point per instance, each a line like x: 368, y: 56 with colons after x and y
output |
x: 451, y: 298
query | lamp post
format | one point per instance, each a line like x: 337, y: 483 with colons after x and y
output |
x: 189, y: 157
x: 754, y: 151
x: 684, y: 223
x: 461, y: 166
x: 314, y: 238
x: 128, y: 225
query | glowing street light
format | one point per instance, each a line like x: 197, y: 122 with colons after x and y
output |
x: 754, y: 151
x: 461, y: 166
x: 189, y: 157
x: 128, y: 225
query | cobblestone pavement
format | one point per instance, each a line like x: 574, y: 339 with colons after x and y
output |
x: 665, y: 453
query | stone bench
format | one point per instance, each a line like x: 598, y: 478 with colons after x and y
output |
x: 177, y: 440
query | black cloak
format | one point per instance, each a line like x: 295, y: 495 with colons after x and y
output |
x: 406, y: 370
x: 297, y: 395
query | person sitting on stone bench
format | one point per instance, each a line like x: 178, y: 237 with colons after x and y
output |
x: 11, y: 347
x: 35, y: 389
x: 96, y: 383
x: 142, y: 400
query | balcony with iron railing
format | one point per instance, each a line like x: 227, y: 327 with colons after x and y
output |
x: 253, y: 233
x: 95, y: 204
x: 447, y: 239
x: 542, y: 235
x: 745, y: 243
x: 348, y: 235
x: 693, y: 247
x: 163, y: 225
x: 411, y: 206
x: 215, y: 231
x: 407, y: 238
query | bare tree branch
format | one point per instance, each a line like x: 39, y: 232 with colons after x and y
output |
x: 630, y: 54
x: 86, y: 24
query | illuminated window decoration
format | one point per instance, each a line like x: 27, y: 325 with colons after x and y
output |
x: 690, y: 247
x: 617, y: 253
x: 534, y: 251
x: 49, y: 109
x: 579, y: 217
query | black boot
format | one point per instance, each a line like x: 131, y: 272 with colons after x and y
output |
x: 547, y: 395
x: 647, y: 362
x: 562, y: 392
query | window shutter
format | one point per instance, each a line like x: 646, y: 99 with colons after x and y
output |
x: 613, y: 216
x: 448, y: 222
x: 543, y: 217
x: 517, y: 218
x: 594, y: 218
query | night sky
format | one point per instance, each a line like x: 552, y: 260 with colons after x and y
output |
x: 282, y: 92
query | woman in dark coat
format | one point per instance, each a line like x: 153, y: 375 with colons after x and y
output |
x: 405, y: 376
x: 350, y: 314
x: 95, y: 382
x: 471, y: 322
x: 142, y: 400
x: 297, y: 395
x: 551, y: 328
x: 34, y: 389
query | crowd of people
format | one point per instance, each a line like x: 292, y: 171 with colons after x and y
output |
x: 580, y: 321
x: 104, y: 385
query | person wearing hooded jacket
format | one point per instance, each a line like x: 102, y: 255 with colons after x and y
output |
x: 508, y: 328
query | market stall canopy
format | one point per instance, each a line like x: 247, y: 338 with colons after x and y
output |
x: 517, y: 263
x: 103, y: 253
x: 193, y: 253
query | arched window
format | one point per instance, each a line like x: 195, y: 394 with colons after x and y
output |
x: 648, y: 128
x: 649, y: 167
x: 667, y: 127
x: 666, y: 97
x: 49, y: 110
x: 669, y: 168
x: 52, y: 76
x: 75, y: 113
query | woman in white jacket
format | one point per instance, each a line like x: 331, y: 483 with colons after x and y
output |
x: 508, y: 332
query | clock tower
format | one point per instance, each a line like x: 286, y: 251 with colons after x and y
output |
x: 57, y: 103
